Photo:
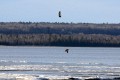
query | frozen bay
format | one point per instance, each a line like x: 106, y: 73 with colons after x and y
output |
x: 54, y: 62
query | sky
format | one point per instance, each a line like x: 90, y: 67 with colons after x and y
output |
x: 88, y: 11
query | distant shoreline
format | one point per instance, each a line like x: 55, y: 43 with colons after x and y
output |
x: 76, y: 40
x: 59, y: 34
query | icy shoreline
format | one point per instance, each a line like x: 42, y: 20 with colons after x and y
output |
x: 4, y: 76
x: 18, y: 72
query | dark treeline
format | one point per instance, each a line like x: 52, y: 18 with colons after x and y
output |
x: 60, y: 40
x: 59, y: 34
x: 58, y: 28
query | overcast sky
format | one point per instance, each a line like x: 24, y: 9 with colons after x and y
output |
x: 92, y: 11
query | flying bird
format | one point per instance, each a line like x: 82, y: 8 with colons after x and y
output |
x: 59, y: 14
x: 67, y: 50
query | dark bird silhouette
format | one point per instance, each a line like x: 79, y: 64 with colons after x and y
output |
x: 59, y: 14
x: 67, y: 50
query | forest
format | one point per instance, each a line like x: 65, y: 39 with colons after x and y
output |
x: 59, y: 34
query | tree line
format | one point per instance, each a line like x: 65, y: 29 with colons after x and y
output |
x: 93, y: 40
x: 58, y: 28
x: 59, y: 34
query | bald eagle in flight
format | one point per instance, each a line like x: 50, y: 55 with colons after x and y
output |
x: 59, y: 14
x: 67, y: 50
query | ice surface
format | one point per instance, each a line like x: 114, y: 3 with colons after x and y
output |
x: 37, y: 63
x: 4, y: 76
